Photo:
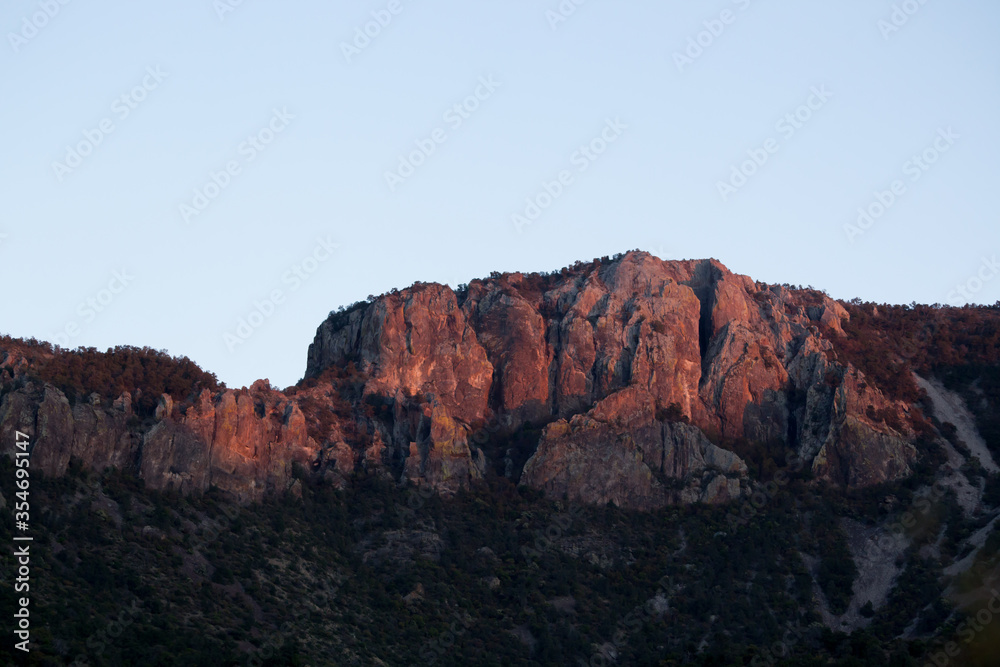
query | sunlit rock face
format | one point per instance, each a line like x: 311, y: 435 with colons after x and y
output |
x: 638, y: 376
x: 613, y: 356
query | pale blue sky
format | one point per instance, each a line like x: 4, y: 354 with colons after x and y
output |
x: 680, y: 131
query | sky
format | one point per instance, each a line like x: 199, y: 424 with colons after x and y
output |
x: 213, y: 177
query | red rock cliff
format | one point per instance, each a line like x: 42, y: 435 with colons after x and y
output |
x: 637, y: 373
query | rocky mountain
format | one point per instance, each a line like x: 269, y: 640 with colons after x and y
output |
x: 627, y: 461
x: 641, y: 379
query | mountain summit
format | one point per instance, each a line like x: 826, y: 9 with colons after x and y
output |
x: 630, y: 380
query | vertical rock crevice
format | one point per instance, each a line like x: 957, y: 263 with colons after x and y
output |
x: 703, y: 283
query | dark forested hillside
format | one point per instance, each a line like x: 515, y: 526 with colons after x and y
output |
x: 495, y: 576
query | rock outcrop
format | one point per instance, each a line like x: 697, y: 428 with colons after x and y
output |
x: 620, y: 453
x: 738, y: 359
x: 640, y: 374
x: 245, y: 442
